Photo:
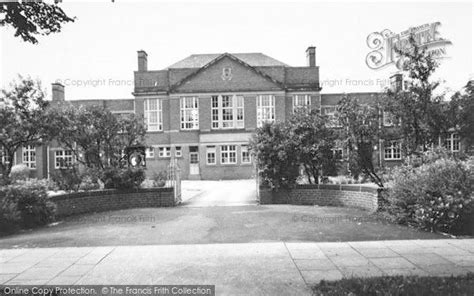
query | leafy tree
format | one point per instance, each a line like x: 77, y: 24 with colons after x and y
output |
x: 421, y: 112
x: 275, y: 155
x: 24, y: 119
x: 360, y: 133
x: 461, y: 113
x: 313, y: 142
x: 30, y: 19
x: 96, y: 136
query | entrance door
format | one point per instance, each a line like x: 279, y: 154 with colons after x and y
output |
x: 193, y: 161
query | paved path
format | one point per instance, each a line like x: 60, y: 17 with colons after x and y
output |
x: 219, y: 193
x: 236, y: 269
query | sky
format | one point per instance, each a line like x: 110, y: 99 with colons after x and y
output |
x: 96, y: 55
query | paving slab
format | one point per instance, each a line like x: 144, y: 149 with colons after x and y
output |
x: 245, y: 269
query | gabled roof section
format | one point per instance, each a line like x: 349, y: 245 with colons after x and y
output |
x: 231, y: 56
x: 253, y: 59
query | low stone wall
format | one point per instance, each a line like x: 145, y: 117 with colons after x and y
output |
x: 109, y: 200
x: 356, y: 196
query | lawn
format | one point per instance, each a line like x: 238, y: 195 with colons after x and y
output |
x: 398, y: 285
x: 207, y: 225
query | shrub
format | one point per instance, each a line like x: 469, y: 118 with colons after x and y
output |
x: 123, y: 178
x: 19, y: 172
x: 10, y: 217
x: 436, y: 196
x: 67, y: 178
x: 32, y: 202
x: 159, y: 178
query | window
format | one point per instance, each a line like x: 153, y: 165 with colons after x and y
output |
x: 153, y: 114
x: 228, y: 154
x: 211, y: 155
x: 178, y: 152
x: 301, y: 101
x: 337, y: 153
x: 389, y: 119
x: 189, y: 113
x: 392, y: 150
x: 265, y: 109
x: 227, y: 111
x: 164, y: 152
x: 452, y: 142
x: 63, y: 159
x: 331, y: 113
x: 3, y: 156
x: 245, y: 154
x: 150, y: 152
x: 29, y: 157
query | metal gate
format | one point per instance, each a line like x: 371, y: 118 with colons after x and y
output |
x: 174, y: 180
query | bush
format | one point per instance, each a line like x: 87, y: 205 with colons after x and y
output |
x: 159, y: 178
x: 19, y: 172
x: 67, y: 178
x: 10, y: 217
x: 436, y: 196
x: 123, y: 178
x: 31, y: 201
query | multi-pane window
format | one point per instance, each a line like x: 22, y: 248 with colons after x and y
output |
x: 228, y: 154
x: 153, y: 114
x: 227, y: 111
x: 29, y: 156
x: 337, y: 153
x: 393, y: 150
x: 331, y: 113
x: 211, y: 155
x: 177, y: 151
x: 245, y: 154
x: 63, y: 159
x: 189, y: 113
x: 301, y: 101
x: 265, y: 109
x: 164, y: 152
x: 150, y: 152
x: 452, y: 142
x: 3, y: 156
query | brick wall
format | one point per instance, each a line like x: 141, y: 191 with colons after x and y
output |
x: 356, y: 196
x: 108, y: 200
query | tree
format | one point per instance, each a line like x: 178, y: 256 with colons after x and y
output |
x: 360, y: 133
x: 275, y: 155
x: 420, y: 112
x: 96, y: 136
x: 23, y: 120
x: 31, y: 19
x: 313, y: 142
x: 461, y: 114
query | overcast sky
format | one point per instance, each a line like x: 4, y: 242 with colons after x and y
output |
x: 99, y: 50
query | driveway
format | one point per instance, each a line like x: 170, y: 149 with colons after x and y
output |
x: 219, y: 193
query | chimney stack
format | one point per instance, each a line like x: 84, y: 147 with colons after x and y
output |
x: 142, y: 61
x: 58, y: 92
x: 311, y: 56
x: 396, y: 82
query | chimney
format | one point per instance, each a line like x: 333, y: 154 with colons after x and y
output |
x: 396, y: 82
x: 311, y: 56
x: 142, y: 61
x: 58, y: 92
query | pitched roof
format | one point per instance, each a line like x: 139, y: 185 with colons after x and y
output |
x: 252, y: 59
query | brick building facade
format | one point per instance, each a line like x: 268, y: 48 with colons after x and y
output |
x: 202, y: 111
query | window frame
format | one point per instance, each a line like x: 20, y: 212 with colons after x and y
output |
x: 264, y: 110
x: 193, y: 123
x: 211, y: 151
x: 29, y: 156
x: 150, y: 152
x: 178, y: 151
x: 230, y: 154
x: 63, y: 156
x: 164, y: 152
x: 219, y: 111
x: 159, y: 115
x: 390, y: 146
x: 451, y: 140
x: 306, y: 100
x: 245, y: 149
